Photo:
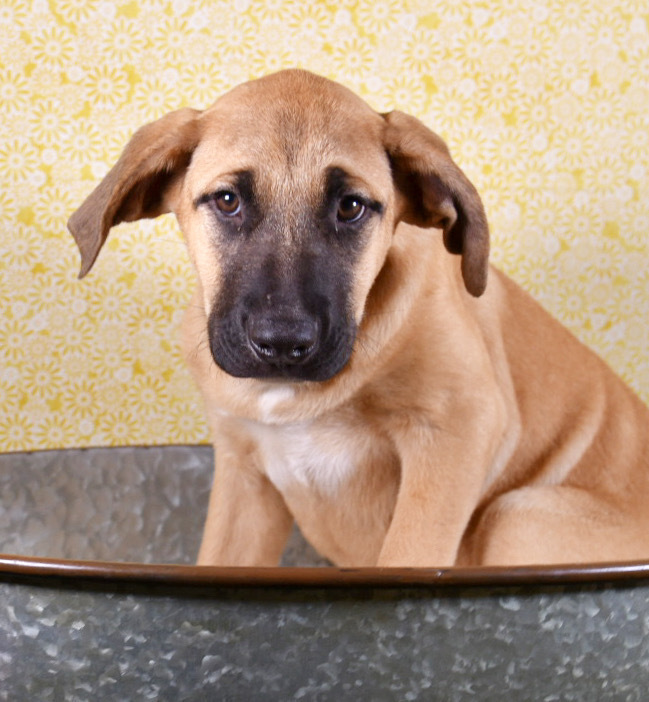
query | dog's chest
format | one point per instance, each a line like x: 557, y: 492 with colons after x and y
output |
x: 318, y: 456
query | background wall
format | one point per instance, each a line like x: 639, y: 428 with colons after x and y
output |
x: 544, y: 105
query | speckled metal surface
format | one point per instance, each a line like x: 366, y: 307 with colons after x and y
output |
x: 240, y: 644
x: 61, y: 640
x: 121, y: 504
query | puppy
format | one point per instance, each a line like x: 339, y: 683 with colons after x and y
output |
x: 365, y: 372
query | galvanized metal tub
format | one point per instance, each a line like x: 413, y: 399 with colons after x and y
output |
x: 93, y: 627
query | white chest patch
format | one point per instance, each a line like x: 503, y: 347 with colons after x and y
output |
x: 321, y: 459
x: 271, y: 398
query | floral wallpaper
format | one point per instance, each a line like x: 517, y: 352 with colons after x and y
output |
x: 543, y: 103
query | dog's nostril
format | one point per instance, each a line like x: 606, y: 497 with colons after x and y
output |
x: 299, y: 351
x: 264, y: 349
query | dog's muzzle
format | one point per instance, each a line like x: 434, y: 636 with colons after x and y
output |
x: 285, y: 324
x: 294, y: 345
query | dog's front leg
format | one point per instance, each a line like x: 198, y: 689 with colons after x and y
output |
x: 442, y: 478
x: 247, y: 522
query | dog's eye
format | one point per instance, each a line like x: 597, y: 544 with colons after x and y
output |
x: 350, y: 209
x: 228, y: 203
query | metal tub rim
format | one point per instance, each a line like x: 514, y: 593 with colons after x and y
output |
x: 108, y: 574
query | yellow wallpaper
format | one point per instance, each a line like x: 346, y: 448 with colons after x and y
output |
x: 544, y: 104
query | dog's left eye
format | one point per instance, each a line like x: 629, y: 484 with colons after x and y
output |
x: 350, y: 209
x: 228, y: 203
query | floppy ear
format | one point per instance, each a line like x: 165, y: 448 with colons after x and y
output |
x: 139, y: 184
x: 438, y: 194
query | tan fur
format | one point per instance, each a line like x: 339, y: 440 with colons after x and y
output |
x: 468, y: 427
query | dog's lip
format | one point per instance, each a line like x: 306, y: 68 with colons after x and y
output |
x: 287, y: 372
x: 310, y: 371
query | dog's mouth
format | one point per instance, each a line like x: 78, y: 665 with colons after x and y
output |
x: 281, y: 346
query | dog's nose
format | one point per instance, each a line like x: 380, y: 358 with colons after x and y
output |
x: 283, y: 341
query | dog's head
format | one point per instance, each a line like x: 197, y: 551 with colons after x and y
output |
x: 288, y: 191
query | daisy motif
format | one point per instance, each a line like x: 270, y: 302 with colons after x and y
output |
x: 123, y: 41
x: 81, y: 142
x: 310, y: 19
x: 379, y: 16
x: 119, y: 426
x: 53, y: 47
x: 55, y: 431
x: 24, y: 249
x: 171, y: 39
x: 353, y: 58
x: 12, y: 13
x: 16, y: 431
x: 13, y: 333
x: 177, y: 283
x: 421, y: 53
x: 42, y: 378
x: 14, y: 91
x: 274, y: 10
x: 154, y: 97
x: 75, y: 11
x: 145, y: 394
x: 53, y: 209
x: 106, y: 86
x: 48, y: 119
x: 19, y: 160
x: 186, y: 419
x: 201, y: 83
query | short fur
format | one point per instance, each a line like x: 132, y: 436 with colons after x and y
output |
x: 360, y: 375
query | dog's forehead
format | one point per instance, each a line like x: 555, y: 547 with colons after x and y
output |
x: 291, y: 124
x: 296, y: 104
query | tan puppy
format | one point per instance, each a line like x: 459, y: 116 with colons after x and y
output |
x: 360, y: 375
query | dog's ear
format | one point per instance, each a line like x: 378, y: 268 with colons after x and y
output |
x: 438, y: 194
x: 139, y: 185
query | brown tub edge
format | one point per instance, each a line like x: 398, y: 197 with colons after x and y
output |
x: 48, y: 570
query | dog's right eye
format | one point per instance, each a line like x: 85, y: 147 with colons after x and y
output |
x: 227, y: 203
x: 350, y: 209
